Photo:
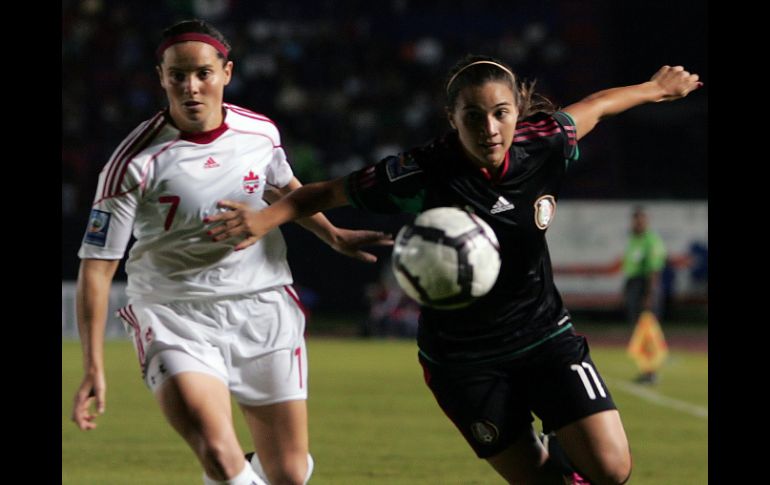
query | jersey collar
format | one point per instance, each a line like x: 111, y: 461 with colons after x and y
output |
x: 204, y: 137
x: 495, y: 179
x: 454, y: 141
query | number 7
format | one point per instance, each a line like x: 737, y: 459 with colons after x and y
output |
x: 174, y: 201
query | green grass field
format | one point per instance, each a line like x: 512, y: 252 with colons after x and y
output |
x: 372, y: 420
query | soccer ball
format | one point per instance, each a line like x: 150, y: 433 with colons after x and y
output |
x: 446, y: 258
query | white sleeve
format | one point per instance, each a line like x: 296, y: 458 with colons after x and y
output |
x: 112, y: 215
x: 279, y: 171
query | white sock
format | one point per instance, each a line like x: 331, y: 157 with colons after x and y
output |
x: 246, y: 477
x: 310, y: 464
x: 257, y: 466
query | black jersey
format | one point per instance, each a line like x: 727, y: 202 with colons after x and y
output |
x: 524, y: 308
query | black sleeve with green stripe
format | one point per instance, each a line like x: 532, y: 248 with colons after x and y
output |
x: 567, y: 124
x: 395, y: 184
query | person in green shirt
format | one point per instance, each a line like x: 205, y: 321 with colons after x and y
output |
x: 643, y: 263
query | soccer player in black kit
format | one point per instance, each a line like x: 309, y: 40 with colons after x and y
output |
x: 514, y: 351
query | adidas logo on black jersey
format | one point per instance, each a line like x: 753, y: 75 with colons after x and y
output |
x: 501, y: 205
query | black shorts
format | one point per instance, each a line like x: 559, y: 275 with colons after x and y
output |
x: 492, y: 405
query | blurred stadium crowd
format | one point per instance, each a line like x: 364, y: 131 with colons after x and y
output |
x: 348, y: 82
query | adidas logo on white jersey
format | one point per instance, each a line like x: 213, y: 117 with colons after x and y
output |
x: 501, y: 205
x: 210, y: 163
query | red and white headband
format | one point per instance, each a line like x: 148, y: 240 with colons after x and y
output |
x: 191, y: 36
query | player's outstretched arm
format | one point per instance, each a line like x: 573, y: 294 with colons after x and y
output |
x: 301, y: 204
x: 93, y: 291
x: 668, y: 84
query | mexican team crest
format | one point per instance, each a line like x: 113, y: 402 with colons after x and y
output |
x: 250, y: 182
x: 545, y: 209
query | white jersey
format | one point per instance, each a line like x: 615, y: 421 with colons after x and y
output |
x: 162, y: 183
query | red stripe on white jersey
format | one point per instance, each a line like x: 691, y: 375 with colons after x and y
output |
x: 295, y: 297
x: 248, y: 113
x: 147, y: 165
x: 145, y: 143
x: 114, y: 161
x: 298, y: 353
x: 127, y: 144
x: 117, y: 172
x: 258, y: 134
x: 138, y: 333
x: 127, y: 314
x: 141, y: 184
x: 127, y: 191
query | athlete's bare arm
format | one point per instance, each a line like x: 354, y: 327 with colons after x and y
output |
x: 668, y: 84
x: 242, y: 220
x: 93, y: 290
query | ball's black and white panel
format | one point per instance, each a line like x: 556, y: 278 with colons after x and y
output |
x: 446, y: 258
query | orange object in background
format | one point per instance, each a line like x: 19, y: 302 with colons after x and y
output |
x: 648, y: 346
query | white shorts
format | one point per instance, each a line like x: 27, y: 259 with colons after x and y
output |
x: 253, y: 343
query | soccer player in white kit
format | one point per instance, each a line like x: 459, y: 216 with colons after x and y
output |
x: 207, y: 320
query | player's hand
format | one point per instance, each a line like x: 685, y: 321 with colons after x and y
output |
x: 92, y: 390
x: 349, y: 242
x: 675, y: 82
x: 240, y: 220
